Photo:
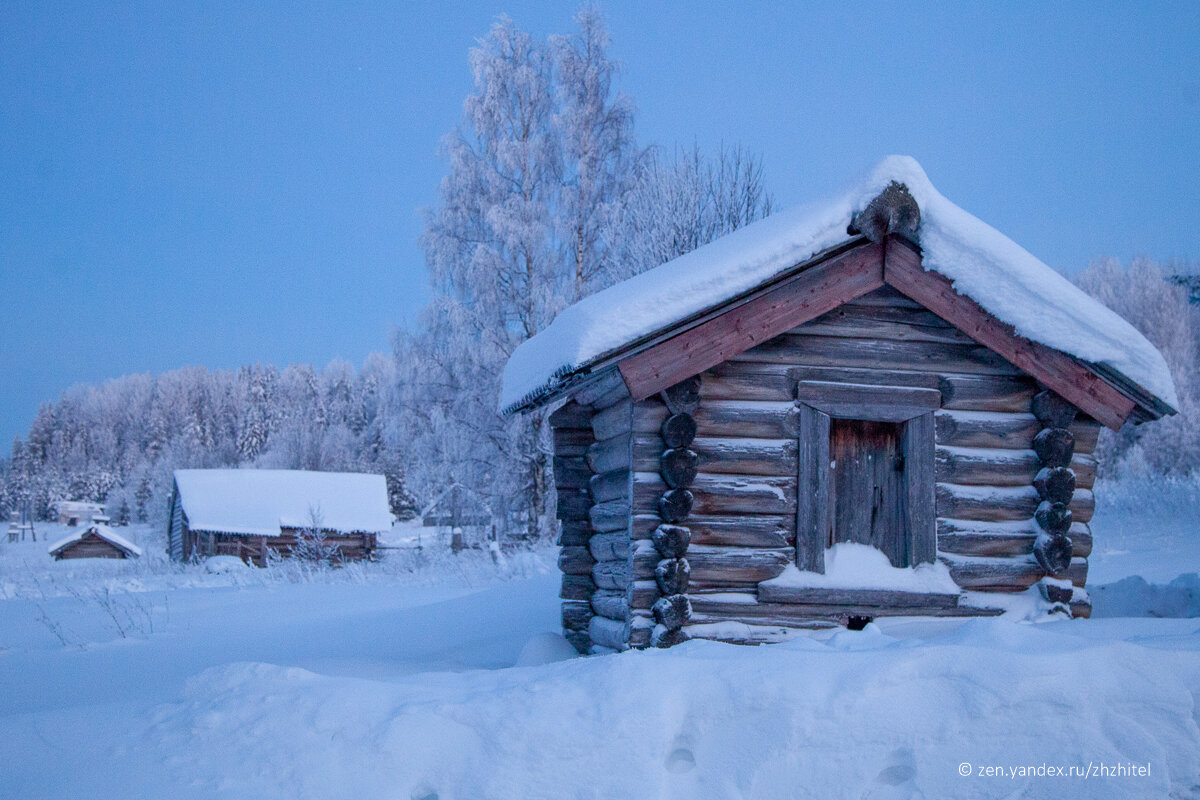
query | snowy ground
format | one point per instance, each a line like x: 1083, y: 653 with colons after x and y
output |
x: 434, y: 676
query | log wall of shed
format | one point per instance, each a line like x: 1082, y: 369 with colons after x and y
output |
x: 743, y: 518
x: 593, y: 455
x: 90, y: 546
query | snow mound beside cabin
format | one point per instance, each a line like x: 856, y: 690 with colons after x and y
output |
x: 984, y: 264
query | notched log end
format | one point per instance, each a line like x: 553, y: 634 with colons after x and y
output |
x: 893, y: 211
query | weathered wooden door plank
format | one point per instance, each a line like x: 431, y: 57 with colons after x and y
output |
x: 812, y: 502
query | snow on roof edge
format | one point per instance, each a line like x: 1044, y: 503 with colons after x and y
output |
x: 103, y: 531
x: 1006, y: 280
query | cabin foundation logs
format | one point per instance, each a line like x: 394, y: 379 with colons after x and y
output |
x: 678, y: 466
x: 1055, y: 485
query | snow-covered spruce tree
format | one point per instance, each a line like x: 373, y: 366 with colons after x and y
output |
x: 1160, y: 309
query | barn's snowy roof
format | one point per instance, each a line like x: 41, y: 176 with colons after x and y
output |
x: 984, y: 264
x: 104, y: 532
x: 259, y: 502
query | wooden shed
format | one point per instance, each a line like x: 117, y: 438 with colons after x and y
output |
x: 876, y: 406
x: 248, y: 512
x: 95, y: 541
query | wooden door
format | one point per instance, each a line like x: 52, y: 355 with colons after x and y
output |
x: 867, y: 486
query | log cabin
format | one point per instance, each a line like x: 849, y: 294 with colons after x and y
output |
x: 94, y: 541
x: 876, y: 406
x: 249, y: 513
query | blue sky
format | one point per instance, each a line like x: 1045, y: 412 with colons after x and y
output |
x: 244, y: 182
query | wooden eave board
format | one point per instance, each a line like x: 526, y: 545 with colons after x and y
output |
x: 1066, y: 375
x: 820, y: 287
x: 832, y: 280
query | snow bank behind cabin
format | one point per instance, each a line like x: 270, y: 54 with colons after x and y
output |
x: 984, y: 264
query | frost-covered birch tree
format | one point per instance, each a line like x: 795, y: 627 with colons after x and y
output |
x: 1157, y: 304
x: 543, y: 156
x: 600, y: 159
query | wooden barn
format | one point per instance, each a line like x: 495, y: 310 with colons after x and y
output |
x: 95, y: 541
x: 247, y: 512
x: 876, y: 406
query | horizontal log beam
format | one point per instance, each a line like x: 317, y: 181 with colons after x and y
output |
x: 999, y: 504
x: 602, y: 390
x: 610, y: 454
x: 571, y: 473
x: 722, y: 494
x: 613, y: 546
x: 609, y: 632
x: 709, y: 609
x: 609, y: 516
x: 575, y: 561
x: 576, y: 614
x: 577, y: 587
x: 573, y: 504
x: 737, y: 564
x: 611, y: 603
x: 731, y: 418
x: 1002, y: 539
x: 866, y: 401
x: 724, y: 455
x: 571, y: 415
x: 912, y: 601
x: 748, y: 380
x: 1006, y: 574
x: 981, y: 466
x: 612, y: 421
x: 741, y: 530
x: 860, y: 321
x: 823, y: 351
x: 609, y: 486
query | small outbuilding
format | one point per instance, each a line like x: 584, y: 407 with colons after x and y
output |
x: 873, y: 406
x: 74, y: 512
x: 94, y: 541
x: 249, y: 512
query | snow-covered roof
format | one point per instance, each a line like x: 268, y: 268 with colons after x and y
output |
x: 259, y: 502
x: 104, y: 532
x: 985, y: 265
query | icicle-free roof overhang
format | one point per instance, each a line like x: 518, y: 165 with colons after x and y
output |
x: 963, y: 261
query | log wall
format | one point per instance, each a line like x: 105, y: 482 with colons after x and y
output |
x: 743, y: 517
x: 90, y: 546
x: 675, y: 508
x: 592, y: 471
x: 254, y: 549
